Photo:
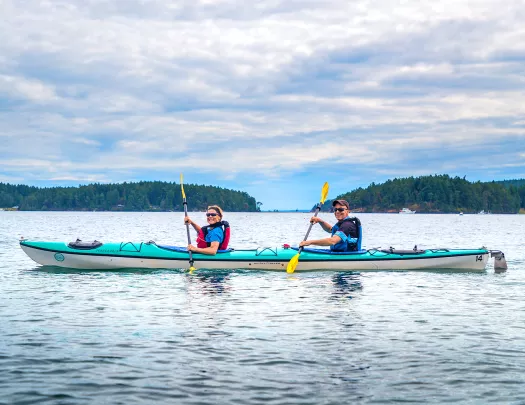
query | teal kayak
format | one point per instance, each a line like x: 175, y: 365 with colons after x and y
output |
x: 149, y: 255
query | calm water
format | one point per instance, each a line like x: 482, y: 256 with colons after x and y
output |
x: 143, y: 337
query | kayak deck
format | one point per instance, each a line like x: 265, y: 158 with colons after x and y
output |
x: 121, y: 255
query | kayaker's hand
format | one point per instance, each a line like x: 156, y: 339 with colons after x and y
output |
x: 191, y: 248
x: 315, y: 220
x: 304, y: 243
x: 187, y: 220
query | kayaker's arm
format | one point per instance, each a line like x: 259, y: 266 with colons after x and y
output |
x: 187, y: 220
x: 322, y: 242
x: 325, y: 225
x: 210, y: 250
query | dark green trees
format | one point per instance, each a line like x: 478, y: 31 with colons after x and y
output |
x: 439, y: 193
x: 141, y: 196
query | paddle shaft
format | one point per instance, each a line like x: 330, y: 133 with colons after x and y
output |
x: 188, y: 229
x: 310, y: 227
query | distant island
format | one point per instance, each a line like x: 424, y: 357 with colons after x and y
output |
x: 140, y: 196
x: 438, y: 194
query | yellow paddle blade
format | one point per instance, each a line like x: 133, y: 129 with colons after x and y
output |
x: 292, y: 264
x: 192, y: 269
x: 324, y: 193
x: 182, y: 187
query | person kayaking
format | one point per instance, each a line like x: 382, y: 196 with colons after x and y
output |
x: 345, y: 232
x: 212, y: 237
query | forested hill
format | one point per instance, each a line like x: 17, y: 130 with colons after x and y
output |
x: 515, y: 183
x: 141, y: 196
x: 437, y: 194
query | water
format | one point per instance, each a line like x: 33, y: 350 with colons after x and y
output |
x: 143, y: 337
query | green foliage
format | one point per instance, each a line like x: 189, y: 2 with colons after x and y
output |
x: 516, y: 183
x: 439, y: 193
x: 141, y: 196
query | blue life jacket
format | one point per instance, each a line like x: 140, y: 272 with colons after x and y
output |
x: 353, y: 242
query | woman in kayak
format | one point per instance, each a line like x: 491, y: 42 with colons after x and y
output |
x: 211, y: 237
x: 344, y: 233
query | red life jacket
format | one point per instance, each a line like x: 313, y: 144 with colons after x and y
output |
x: 201, y: 237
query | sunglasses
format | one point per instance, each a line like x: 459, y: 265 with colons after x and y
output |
x: 211, y: 215
x: 339, y: 209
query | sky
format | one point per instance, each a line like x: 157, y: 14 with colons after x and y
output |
x: 272, y: 97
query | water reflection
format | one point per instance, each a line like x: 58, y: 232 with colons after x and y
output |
x: 210, y: 282
x: 346, y: 284
x: 38, y: 269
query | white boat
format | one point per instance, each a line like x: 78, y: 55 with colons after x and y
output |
x: 406, y: 211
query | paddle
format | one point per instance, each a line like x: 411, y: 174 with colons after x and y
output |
x: 292, y: 264
x: 187, y: 225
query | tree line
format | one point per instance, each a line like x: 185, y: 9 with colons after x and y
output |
x: 438, y: 194
x: 140, y: 196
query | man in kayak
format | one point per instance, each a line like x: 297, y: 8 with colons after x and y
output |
x: 344, y: 232
x: 213, y: 236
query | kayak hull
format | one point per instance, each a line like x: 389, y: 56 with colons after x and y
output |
x: 148, y: 255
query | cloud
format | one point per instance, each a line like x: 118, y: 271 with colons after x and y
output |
x: 110, y: 90
x: 24, y: 89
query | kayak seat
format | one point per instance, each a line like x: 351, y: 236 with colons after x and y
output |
x: 181, y: 249
x: 78, y: 244
x: 329, y: 252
